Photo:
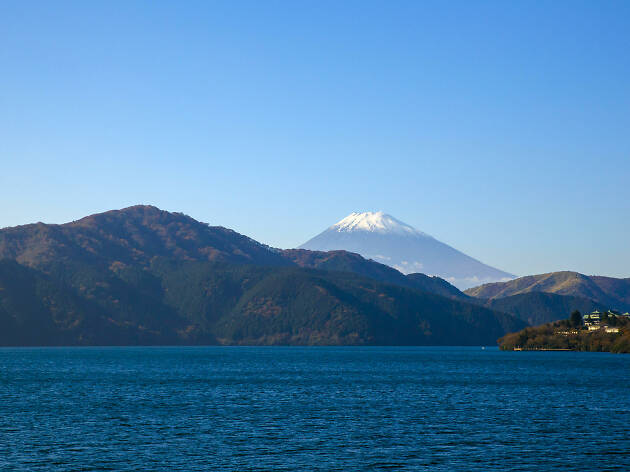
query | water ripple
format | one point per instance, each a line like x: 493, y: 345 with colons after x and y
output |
x: 285, y: 409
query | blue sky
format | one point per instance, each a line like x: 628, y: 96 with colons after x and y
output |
x: 501, y: 128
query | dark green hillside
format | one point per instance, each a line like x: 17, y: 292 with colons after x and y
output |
x: 258, y: 305
x: 607, y: 291
x: 136, y: 235
x: 144, y: 276
x: 36, y: 309
x: 536, y: 308
x: 210, y: 303
x: 311, y: 307
x: 619, y: 289
x: 437, y: 285
x: 344, y: 261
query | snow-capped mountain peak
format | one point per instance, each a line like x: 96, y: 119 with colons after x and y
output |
x: 379, y: 236
x: 374, y: 222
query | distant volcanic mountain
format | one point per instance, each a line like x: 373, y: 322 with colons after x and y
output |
x: 383, y: 238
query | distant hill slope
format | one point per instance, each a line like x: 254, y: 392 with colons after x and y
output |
x: 144, y: 276
x: 618, y: 289
x: 344, y: 261
x: 383, y: 238
x: 133, y: 235
x: 305, y: 306
x: 607, y: 291
x: 137, y: 234
x: 537, y: 308
x: 178, y: 302
x: 41, y: 310
x: 34, y: 309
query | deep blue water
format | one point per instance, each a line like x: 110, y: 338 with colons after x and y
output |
x: 223, y: 408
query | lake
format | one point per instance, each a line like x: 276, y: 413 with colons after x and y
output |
x: 319, y: 408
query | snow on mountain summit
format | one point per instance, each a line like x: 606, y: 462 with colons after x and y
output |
x: 375, y: 222
x: 383, y: 238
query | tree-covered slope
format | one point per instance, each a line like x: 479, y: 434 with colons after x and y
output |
x: 564, y: 335
x: 136, y: 235
x: 133, y: 235
x: 536, y: 308
x: 175, y: 302
x: 607, y: 291
x: 344, y: 261
x: 144, y: 276
x: 618, y: 289
x: 37, y: 309
x: 437, y: 285
x: 297, y: 306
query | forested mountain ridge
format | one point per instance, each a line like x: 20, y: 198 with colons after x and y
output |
x: 344, y: 261
x: 607, y: 291
x: 190, y: 302
x: 137, y: 234
x: 536, y: 308
x: 133, y: 235
x: 145, y: 276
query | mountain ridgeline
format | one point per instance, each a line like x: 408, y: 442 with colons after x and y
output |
x: 607, y: 292
x: 383, y: 238
x: 146, y: 276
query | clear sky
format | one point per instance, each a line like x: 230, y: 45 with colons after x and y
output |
x: 501, y: 128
